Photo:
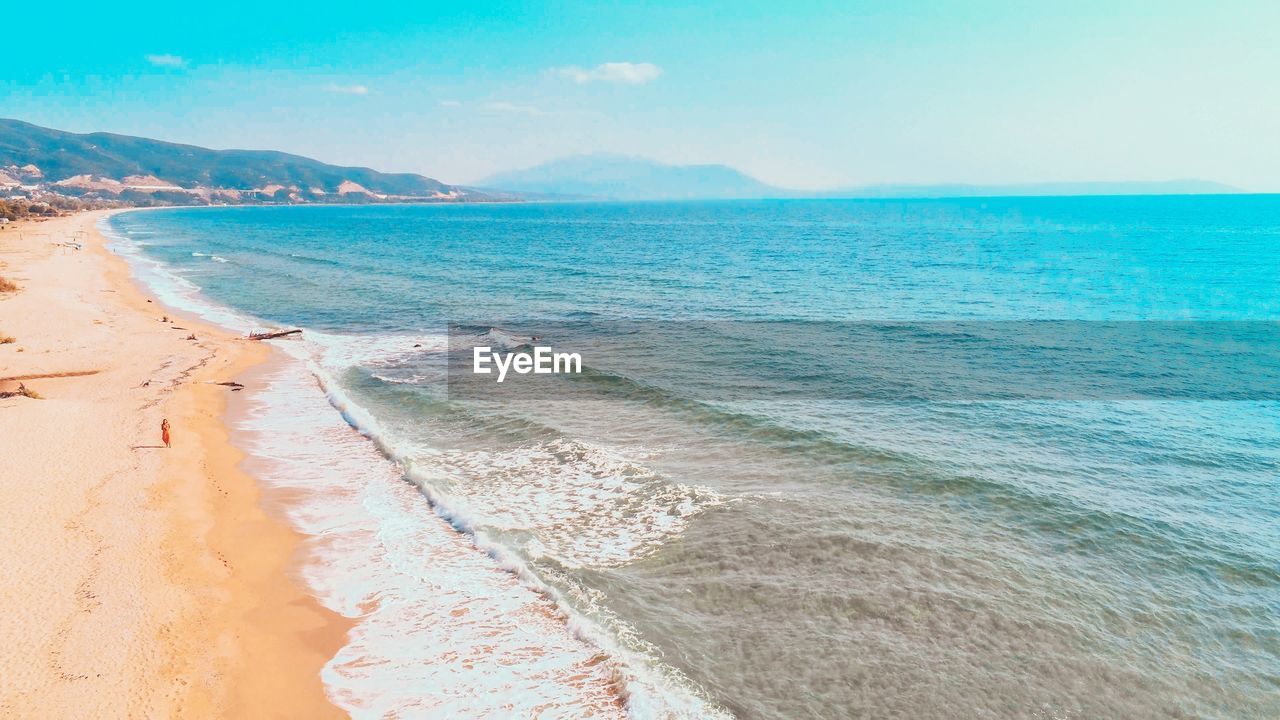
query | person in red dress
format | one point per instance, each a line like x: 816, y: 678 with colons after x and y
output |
x: 164, y: 432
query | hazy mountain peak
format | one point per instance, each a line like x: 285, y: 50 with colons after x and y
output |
x: 626, y: 177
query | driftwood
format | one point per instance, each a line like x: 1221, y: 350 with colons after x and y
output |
x: 22, y: 391
x: 235, y: 386
x: 42, y: 376
x: 274, y: 334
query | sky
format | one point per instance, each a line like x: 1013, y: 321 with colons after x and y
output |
x: 803, y: 93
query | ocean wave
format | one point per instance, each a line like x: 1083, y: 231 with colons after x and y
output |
x: 215, y: 258
x: 336, y: 351
x: 442, y: 630
x: 583, y: 505
x: 651, y: 692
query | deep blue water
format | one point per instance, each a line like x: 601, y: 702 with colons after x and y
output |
x: 819, y: 464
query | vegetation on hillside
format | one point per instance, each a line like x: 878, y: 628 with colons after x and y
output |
x: 52, y: 206
x: 60, y: 155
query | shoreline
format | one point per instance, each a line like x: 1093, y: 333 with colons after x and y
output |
x: 472, y: 605
x: 480, y: 606
x: 141, y: 581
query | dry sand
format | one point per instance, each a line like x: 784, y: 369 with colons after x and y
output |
x: 137, y: 581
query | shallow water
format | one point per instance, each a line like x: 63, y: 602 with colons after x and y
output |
x: 740, y: 506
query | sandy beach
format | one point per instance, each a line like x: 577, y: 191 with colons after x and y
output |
x: 140, y: 581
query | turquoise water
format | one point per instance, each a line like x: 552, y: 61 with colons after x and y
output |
x: 819, y: 464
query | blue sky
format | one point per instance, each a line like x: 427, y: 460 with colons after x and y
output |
x: 804, y: 93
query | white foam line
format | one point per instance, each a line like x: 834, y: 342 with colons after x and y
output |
x: 171, y: 288
x: 648, y: 696
x: 442, y: 631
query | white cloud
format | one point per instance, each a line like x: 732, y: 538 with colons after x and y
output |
x: 450, y: 103
x: 615, y: 72
x: 347, y: 89
x: 512, y: 108
x: 166, y: 60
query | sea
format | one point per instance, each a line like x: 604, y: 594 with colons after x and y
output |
x: 989, y: 458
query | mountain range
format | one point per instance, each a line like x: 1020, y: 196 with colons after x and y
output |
x: 106, y: 164
x: 619, y: 177
x: 120, y: 168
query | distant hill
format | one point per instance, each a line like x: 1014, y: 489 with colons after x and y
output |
x: 42, y: 164
x: 1160, y: 187
x: 618, y: 177
x: 107, y: 164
